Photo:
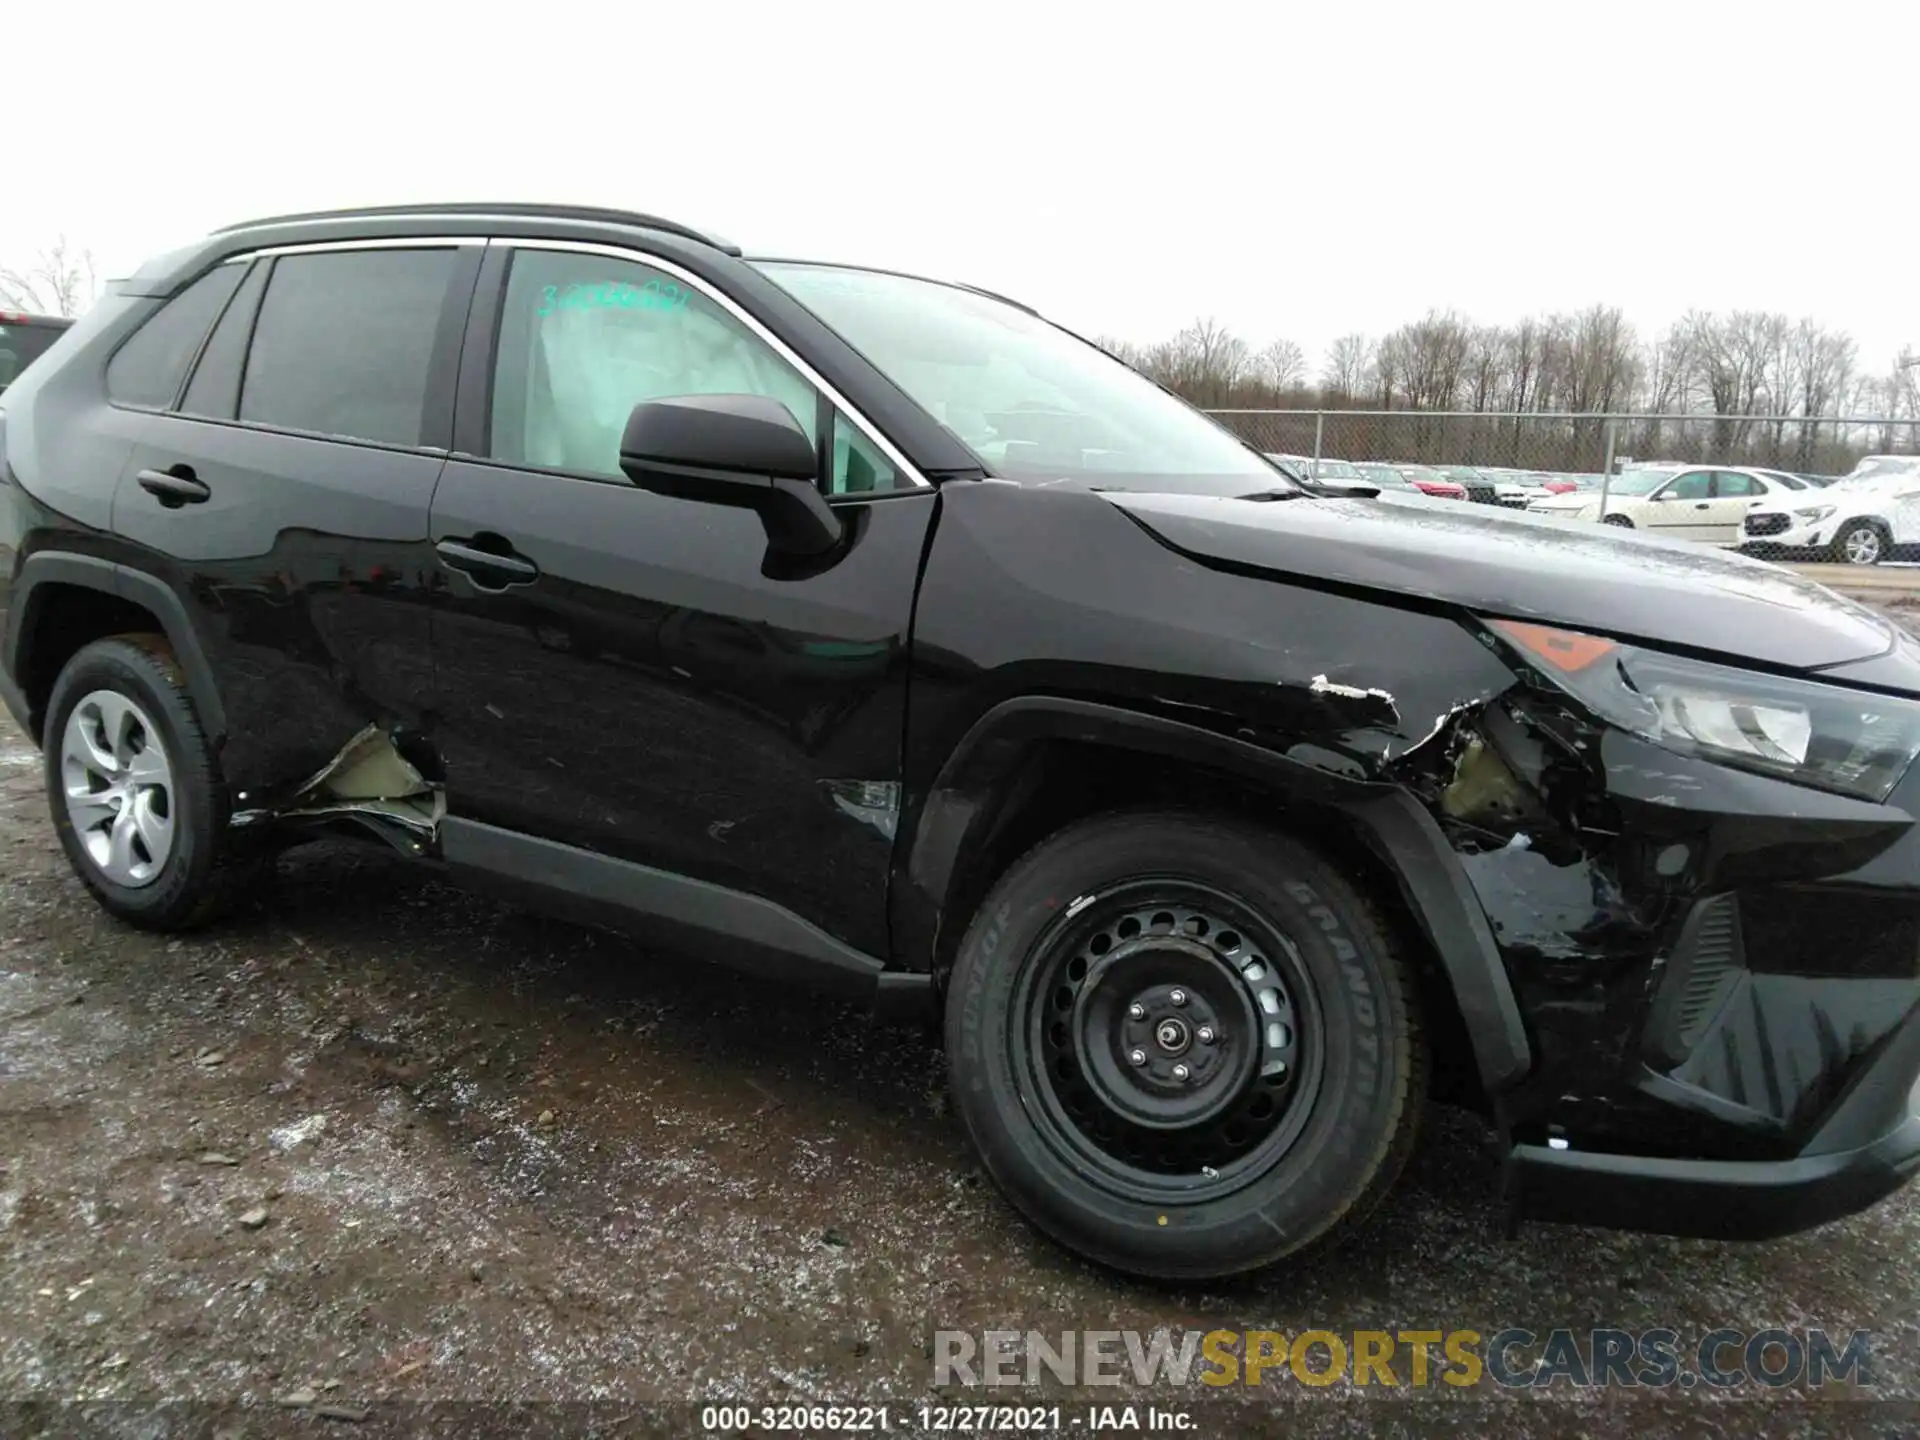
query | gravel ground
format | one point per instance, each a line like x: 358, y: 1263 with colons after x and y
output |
x: 376, y: 1156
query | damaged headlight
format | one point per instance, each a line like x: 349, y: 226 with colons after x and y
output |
x: 1821, y: 735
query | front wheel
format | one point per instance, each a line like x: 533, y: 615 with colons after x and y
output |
x: 1621, y: 520
x: 1184, y: 1046
x: 1860, y: 543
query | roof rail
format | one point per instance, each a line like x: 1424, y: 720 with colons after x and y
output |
x: 601, y: 214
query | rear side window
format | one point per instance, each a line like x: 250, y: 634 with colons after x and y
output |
x: 214, y: 390
x: 148, y: 369
x: 344, y: 342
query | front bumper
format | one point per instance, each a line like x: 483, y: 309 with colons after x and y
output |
x: 1813, y: 537
x: 1838, y: 1173
x: 1709, y: 1199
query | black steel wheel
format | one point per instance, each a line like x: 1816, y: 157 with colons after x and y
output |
x: 1171, y: 1032
x: 1184, y: 1045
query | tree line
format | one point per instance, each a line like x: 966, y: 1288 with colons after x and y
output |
x: 1725, y: 367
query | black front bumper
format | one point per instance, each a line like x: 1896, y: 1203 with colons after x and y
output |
x: 1867, y: 1148
x: 1710, y: 1199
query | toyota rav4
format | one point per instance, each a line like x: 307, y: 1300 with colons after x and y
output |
x: 877, y: 633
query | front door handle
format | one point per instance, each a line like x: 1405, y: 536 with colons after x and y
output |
x: 174, y: 487
x: 1703, y: 505
x: 493, y: 568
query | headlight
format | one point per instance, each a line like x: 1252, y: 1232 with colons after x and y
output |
x: 1814, y: 513
x: 1800, y: 730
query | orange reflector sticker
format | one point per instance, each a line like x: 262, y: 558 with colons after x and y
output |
x: 1566, y: 650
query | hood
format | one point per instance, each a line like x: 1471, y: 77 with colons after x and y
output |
x: 1505, y: 562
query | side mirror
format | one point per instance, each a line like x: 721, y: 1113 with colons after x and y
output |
x: 746, y: 451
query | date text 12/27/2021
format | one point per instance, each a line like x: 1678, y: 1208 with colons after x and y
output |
x: 941, y: 1419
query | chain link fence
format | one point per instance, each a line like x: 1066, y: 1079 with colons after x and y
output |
x: 1768, y: 485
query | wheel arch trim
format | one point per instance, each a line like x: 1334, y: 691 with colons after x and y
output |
x: 89, y: 572
x: 979, y: 779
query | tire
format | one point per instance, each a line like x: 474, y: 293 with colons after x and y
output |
x: 1860, y: 542
x: 1621, y: 520
x: 177, y: 868
x: 1276, y: 1139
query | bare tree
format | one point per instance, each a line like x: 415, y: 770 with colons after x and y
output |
x: 1283, y: 365
x: 61, y: 280
x: 1345, y: 374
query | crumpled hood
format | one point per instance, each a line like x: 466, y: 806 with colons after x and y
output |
x: 1502, y: 562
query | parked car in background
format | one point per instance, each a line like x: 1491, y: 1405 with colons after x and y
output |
x: 1325, y: 468
x: 1429, y: 481
x: 1861, y: 520
x: 1556, y: 484
x: 1301, y: 468
x: 1681, y: 502
x: 23, y: 339
x: 1479, y: 485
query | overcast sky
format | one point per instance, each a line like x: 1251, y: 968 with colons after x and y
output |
x: 1291, y: 169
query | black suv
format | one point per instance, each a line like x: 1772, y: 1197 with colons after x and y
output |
x: 24, y: 339
x: 875, y: 632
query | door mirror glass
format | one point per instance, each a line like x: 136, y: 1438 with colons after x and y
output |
x: 745, y: 451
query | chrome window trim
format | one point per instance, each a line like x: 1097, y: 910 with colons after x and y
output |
x: 388, y: 242
x: 637, y: 254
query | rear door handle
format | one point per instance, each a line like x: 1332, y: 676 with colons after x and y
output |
x: 494, y: 568
x: 174, y: 487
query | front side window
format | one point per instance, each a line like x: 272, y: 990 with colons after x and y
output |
x: 1032, y: 401
x: 344, y: 343
x: 585, y: 338
x: 147, y: 370
x: 1692, y: 486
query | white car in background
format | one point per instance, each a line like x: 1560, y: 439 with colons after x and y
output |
x: 1707, y: 503
x: 1860, y: 520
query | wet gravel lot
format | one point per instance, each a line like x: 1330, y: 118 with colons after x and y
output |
x: 376, y: 1156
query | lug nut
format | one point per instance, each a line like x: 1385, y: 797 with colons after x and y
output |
x: 1205, y: 1034
x: 1178, y: 997
x: 1181, y: 1073
x: 1136, y: 1011
x: 1138, y: 1057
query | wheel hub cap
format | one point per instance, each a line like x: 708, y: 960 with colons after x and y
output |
x: 118, y: 787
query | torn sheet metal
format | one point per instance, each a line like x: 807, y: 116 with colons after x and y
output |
x: 369, y: 781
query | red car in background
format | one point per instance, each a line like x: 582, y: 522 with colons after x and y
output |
x: 1429, y: 481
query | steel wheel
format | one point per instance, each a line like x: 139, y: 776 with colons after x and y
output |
x: 119, y: 788
x: 1173, y: 1038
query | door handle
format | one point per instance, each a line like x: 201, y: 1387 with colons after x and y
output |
x: 500, y: 567
x: 174, y: 487
x: 1703, y: 505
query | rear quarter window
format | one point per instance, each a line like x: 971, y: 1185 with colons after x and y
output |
x: 150, y: 366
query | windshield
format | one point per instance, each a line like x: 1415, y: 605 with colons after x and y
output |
x: 1336, y: 469
x: 1639, y: 482
x: 1033, y: 402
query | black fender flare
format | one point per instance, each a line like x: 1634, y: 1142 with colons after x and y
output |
x: 964, y: 802
x: 89, y: 572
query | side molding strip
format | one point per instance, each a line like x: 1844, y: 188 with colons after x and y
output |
x: 754, y: 933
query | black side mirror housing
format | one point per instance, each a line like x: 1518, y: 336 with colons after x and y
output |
x: 746, y: 451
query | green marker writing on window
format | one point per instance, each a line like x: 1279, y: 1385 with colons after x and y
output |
x: 613, y: 295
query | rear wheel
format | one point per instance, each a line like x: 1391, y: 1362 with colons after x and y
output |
x: 1860, y: 543
x: 133, y: 787
x: 1184, y: 1046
